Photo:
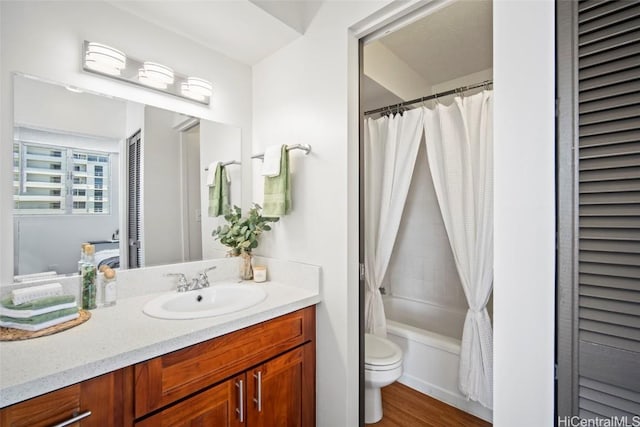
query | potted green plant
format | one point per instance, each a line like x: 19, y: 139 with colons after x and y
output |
x: 240, y: 234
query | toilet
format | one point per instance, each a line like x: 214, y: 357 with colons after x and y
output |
x: 382, y: 366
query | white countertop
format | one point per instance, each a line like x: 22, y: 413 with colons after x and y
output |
x: 123, y: 335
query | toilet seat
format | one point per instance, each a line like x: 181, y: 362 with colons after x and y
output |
x: 380, y: 354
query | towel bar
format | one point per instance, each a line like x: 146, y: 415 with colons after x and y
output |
x: 230, y: 162
x: 304, y: 147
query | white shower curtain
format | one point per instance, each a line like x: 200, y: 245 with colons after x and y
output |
x: 391, y: 149
x: 459, y: 141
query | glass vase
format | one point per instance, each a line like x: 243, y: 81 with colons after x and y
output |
x: 246, y: 269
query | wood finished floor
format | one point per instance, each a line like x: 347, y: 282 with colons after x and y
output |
x: 405, y: 407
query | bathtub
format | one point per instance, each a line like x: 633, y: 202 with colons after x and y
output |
x: 429, y: 336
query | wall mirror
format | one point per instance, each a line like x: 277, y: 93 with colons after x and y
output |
x: 127, y: 177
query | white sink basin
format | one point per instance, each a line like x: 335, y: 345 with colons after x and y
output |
x: 212, y: 301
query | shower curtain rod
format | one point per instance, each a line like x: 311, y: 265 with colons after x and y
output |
x: 460, y: 89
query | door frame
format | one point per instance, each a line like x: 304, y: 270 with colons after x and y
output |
x: 391, y: 19
x: 567, y: 220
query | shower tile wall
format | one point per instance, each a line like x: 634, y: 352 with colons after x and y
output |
x: 422, y: 265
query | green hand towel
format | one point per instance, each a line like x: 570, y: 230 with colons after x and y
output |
x: 41, y: 318
x: 277, y: 189
x: 219, y: 203
x: 37, y: 303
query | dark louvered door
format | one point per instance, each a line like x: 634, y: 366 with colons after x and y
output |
x: 134, y: 200
x: 601, y: 312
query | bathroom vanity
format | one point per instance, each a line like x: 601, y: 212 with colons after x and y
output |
x: 257, y: 376
x: 254, y: 367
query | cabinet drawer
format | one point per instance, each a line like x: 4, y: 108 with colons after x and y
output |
x: 168, y: 378
x: 108, y: 398
x: 42, y: 411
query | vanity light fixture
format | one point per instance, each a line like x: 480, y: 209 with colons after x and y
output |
x: 109, y: 62
x: 104, y: 59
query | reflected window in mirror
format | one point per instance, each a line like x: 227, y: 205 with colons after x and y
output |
x: 54, y: 174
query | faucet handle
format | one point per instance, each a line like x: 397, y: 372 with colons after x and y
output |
x: 204, y: 279
x: 183, y: 283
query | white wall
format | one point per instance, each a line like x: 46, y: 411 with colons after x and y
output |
x: 53, y: 244
x: 134, y: 118
x: 218, y: 143
x: 422, y: 265
x: 51, y: 106
x: 302, y: 95
x: 524, y: 246
x: 292, y: 106
x: 44, y: 39
x: 392, y: 73
x: 161, y: 179
x: 192, y: 187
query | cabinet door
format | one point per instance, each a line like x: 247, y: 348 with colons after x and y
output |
x: 282, y: 391
x: 220, y: 406
x: 109, y: 398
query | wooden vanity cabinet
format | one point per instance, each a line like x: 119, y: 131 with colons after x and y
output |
x: 263, y: 375
x: 108, y: 398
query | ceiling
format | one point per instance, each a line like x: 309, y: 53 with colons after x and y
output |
x: 445, y: 49
x: 452, y: 42
x: 244, y: 30
x: 374, y: 95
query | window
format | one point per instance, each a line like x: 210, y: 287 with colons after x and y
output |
x: 50, y: 178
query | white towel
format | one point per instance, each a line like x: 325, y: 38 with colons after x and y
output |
x: 271, y: 163
x: 20, y: 296
x: 211, y: 173
x: 34, y: 276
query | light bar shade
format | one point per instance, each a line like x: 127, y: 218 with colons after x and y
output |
x: 144, y: 78
x: 158, y: 72
x: 104, y: 59
x: 200, y: 86
x: 185, y: 90
x: 196, y: 88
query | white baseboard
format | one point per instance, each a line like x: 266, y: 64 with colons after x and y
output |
x: 446, y: 396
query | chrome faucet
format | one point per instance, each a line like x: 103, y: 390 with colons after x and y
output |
x: 199, y: 282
